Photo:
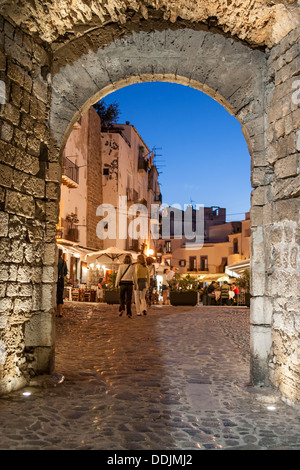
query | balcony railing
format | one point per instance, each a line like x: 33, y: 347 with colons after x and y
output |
x: 197, y: 270
x: 142, y: 164
x: 65, y: 231
x: 116, y: 130
x: 158, y: 198
x: 70, y: 176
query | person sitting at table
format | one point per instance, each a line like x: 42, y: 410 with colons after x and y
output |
x: 236, y: 291
x: 100, y: 291
x: 225, y: 293
x: 76, y: 283
x: 211, y: 292
x: 235, y: 288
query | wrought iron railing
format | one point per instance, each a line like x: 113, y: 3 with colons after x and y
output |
x: 70, y: 170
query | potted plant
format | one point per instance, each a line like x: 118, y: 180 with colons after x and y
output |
x: 72, y: 220
x: 205, y: 296
x: 244, y: 284
x: 111, y: 293
x: 183, y: 291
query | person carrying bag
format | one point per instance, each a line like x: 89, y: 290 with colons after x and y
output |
x: 142, y: 282
x: 125, y: 280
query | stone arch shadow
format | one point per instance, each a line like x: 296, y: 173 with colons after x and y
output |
x: 226, y: 70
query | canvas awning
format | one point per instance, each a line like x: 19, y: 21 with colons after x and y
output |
x: 218, y: 277
x: 237, y: 269
x: 72, y: 248
x: 112, y: 253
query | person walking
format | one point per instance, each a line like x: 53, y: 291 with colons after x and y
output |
x: 152, y: 275
x: 125, y: 280
x: 62, y: 271
x: 142, y: 283
x: 165, y: 285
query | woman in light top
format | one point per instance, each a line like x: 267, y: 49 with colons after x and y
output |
x: 142, y: 283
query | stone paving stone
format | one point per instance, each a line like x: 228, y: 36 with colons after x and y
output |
x: 173, y: 380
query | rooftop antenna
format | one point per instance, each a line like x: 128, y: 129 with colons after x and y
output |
x: 157, y: 163
x: 191, y: 203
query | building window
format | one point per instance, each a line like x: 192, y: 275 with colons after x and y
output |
x: 224, y: 263
x: 182, y: 263
x: 203, y: 263
x: 106, y: 171
x: 193, y: 263
x: 168, y: 247
x: 235, y: 246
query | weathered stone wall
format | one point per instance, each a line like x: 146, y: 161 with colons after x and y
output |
x: 227, y: 70
x: 43, y: 100
x: 276, y: 212
x: 94, y: 180
x: 29, y: 192
x: 260, y: 22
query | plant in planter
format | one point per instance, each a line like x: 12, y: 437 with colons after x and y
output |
x: 72, y: 220
x: 244, y: 284
x: 111, y: 293
x: 183, y: 290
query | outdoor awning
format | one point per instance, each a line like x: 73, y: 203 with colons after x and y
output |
x: 72, y: 248
x: 237, y: 269
x: 220, y: 277
x: 112, y: 254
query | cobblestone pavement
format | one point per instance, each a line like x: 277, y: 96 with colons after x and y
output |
x: 172, y: 380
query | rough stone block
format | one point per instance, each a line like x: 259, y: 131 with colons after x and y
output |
x: 48, y: 297
x: 40, y: 89
x: 286, y: 167
x: 39, y: 330
x: 286, y: 188
x: 6, y: 176
x: 49, y: 255
x: 260, y: 196
x: 287, y: 210
x: 261, y: 310
x: 4, y: 219
x: 260, y: 347
x: 18, y: 203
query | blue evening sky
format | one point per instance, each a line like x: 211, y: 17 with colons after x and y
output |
x: 202, y: 153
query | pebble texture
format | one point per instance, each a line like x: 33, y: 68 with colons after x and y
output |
x: 174, y: 379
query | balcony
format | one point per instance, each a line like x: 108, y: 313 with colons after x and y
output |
x: 158, y: 197
x: 142, y: 164
x: 70, y: 173
x: 190, y: 269
x: 116, y: 130
x: 133, y: 245
x: 63, y: 230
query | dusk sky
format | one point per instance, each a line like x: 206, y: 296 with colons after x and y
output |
x: 202, y: 153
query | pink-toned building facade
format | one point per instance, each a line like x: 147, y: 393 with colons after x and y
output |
x: 224, y: 244
x: 99, y: 167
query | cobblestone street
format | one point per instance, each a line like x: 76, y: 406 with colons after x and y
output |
x: 172, y: 380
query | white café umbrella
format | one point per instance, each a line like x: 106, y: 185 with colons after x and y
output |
x: 113, y: 253
x: 223, y: 279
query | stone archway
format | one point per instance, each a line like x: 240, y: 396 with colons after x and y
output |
x: 227, y: 70
x: 253, y: 84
